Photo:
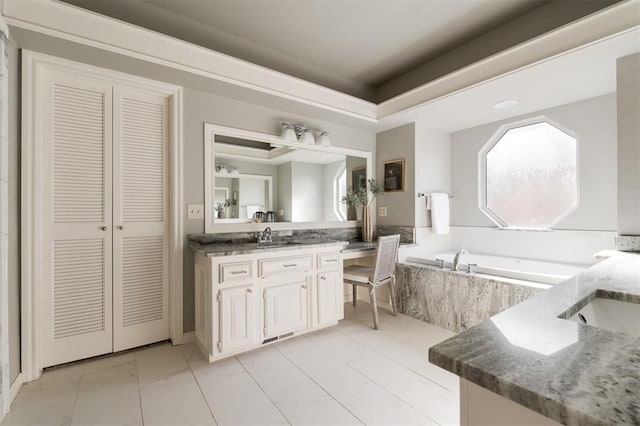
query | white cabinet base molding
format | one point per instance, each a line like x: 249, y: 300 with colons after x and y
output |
x: 245, y: 301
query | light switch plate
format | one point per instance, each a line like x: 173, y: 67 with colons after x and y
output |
x: 382, y: 211
x: 195, y: 211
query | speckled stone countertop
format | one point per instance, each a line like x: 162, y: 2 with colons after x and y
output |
x: 230, y: 249
x: 573, y: 373
x: 359, y: 246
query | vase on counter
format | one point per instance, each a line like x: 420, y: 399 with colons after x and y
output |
x: 367, y: 224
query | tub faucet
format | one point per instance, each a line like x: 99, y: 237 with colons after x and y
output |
x: 456, y: 259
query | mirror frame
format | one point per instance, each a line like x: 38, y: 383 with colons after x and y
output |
x: 211, y: 226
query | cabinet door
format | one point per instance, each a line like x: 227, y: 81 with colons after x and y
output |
x: 330, y: 298
x: 76, y: 272
x: 140, y: 249
x: 285, y: 308
x: 237, y: 317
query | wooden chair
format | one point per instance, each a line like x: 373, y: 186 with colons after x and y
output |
x: 372, y: 277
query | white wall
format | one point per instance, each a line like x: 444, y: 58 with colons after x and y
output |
x: 252, y: 192
x: 628, y: 82
x: 432, y: 174
x: 594, y: 122
x: 587, y: 230
x: 329, y: 172
x: 557, y: 246
x: 307, y: 194
x: 391, y: 145
x: 284, y: 192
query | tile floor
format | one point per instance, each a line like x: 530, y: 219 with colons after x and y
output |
x: 348, y: 374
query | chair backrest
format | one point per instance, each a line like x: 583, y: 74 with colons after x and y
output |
x: 386, y: 256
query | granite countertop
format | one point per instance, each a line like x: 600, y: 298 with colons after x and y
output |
x: 570, y: 372
x: 201, y: 244
x: 354, y: 246
x: 230, y: 249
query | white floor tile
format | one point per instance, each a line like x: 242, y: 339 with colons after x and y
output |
x: 49, y: 400
x: 174, y: 400
x: 348, y: 374
x: 445, y: 410
x: 232, y: 394
x: 108, y: 396
x: 376, y: 406
x: 411, y: 388
x: 298, y: 397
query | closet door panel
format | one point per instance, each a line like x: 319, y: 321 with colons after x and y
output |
x: 140, y: 252
x: 76, y: 279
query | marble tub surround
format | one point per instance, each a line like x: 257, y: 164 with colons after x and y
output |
x: 407, y: 233
x: 628, y: 243
x: 455, y: 300
x: 567, y: 371
x: 232, y: 249
x: 338, y: 234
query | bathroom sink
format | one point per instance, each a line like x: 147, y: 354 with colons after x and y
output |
x: 613, y: 315
x: 278, y: 244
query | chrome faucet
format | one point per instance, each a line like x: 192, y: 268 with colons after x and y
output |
x: 456, y: 259
x: 265, y: 236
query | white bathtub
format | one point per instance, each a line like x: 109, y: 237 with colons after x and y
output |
x: 503, y: 266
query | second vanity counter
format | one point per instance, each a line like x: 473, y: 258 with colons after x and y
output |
x: 570, y: 372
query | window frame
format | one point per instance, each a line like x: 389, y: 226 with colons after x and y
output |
x: 482, y: 172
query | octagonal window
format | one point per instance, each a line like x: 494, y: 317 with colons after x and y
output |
x: 530, y: 175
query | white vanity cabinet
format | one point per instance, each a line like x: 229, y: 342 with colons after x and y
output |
x: 329, y: 288
x: 247, y: 300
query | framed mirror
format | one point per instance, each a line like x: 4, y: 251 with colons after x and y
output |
x: 252, y: 178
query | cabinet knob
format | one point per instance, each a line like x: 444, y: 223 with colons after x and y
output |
x: 249, y: 290
x: 323, y: 278
x: 121, y: 227
x: 304, y: 286
x: 103, y: 228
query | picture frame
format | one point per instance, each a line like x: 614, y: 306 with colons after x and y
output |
x: 393, y: 172
x: 359, y: 178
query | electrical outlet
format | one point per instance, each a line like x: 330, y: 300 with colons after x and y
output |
x: 195, y: 211
x: 382, y: 211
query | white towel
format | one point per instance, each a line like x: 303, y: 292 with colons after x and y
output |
x: 440, y: 212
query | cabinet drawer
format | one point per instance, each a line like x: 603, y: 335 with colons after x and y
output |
x: 328, y: 260
x: 235, y: 272
x: 268, y: 267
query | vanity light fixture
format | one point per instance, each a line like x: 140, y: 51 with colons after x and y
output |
x: 505, y: 104
x: 289, y: 133
x: 307, y: 138
x: 323, y: 139
x: 299, y: 133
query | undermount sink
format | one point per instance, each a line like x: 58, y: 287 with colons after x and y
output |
x: 612, y: 315
x: 277, y: 244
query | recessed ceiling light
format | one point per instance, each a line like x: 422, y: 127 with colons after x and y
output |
x: 505, y: 104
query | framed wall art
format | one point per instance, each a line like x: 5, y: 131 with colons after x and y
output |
x: 393, y: 175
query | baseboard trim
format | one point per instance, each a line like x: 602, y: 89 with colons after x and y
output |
x: 189, y: 337
x: 15, y: 388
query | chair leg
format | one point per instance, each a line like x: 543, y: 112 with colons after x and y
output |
x: 392, y: 295
x: 374, y: 307
x: 355, y: 294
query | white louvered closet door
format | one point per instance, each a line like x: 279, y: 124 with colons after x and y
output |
x: 140, y: 249
x: 76, y: 273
